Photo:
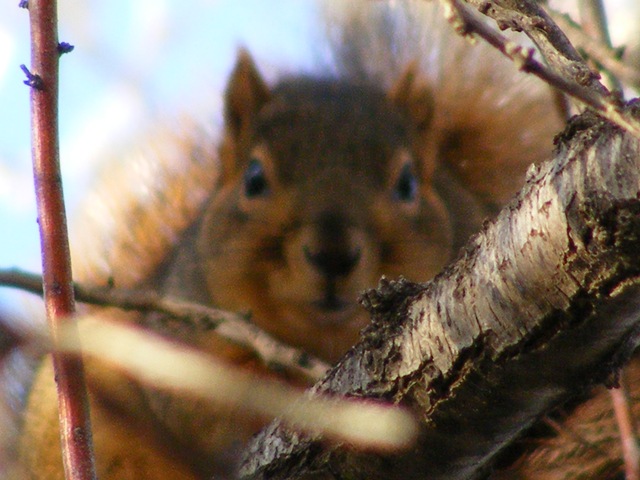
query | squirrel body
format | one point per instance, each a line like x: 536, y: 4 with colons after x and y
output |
x: 317, y: 187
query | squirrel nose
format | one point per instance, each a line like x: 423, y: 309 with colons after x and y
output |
x: 331, y: 252
x: 333, y: 263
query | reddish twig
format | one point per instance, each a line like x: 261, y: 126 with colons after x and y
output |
x: 593, y: 20
x: 626, y: 426
x: 56, y: 265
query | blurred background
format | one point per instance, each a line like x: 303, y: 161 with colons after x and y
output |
x: 136, y: 63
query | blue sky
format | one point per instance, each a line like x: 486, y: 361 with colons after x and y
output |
x: 134, y: 63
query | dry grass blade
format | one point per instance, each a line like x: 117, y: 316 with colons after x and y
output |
x: 363, y: 423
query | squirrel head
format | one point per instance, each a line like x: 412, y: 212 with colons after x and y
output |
x: 326, y: 186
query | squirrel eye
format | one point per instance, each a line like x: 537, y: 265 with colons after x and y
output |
x: 255, y: 180
x: 406, y: 188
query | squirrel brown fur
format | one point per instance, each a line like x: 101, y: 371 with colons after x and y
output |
x: 319, y: 186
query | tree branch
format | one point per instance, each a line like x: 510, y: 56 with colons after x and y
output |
x: 598, y: 51
x: 544, y: 302
x: 567, y: 71
x: 75, y: 429
x: 553, y: 44
x: 232, y: 326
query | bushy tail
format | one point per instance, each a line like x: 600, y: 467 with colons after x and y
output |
x: 493, y: 120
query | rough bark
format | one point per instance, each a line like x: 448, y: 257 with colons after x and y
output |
x: 543, y: 303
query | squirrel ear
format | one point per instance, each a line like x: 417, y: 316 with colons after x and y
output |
x: 246, y: 93
x: 414, y: 98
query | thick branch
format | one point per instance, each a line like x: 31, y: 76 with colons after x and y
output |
x: 544, y: 302
x: 75, y: 429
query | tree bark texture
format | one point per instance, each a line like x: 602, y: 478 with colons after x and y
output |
x: 540, y: 305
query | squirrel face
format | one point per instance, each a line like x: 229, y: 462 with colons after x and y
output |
x: 325, y: 188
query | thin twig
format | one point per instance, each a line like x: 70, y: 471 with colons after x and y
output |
x: 554, y: 46
x: 75, y: 428
x: 232, y: 326
x: 594, y: 22
x: 628, y: 434
x: 604, y: 55
x: 610, y: 108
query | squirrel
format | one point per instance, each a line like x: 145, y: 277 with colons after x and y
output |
x: 317, y: 187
